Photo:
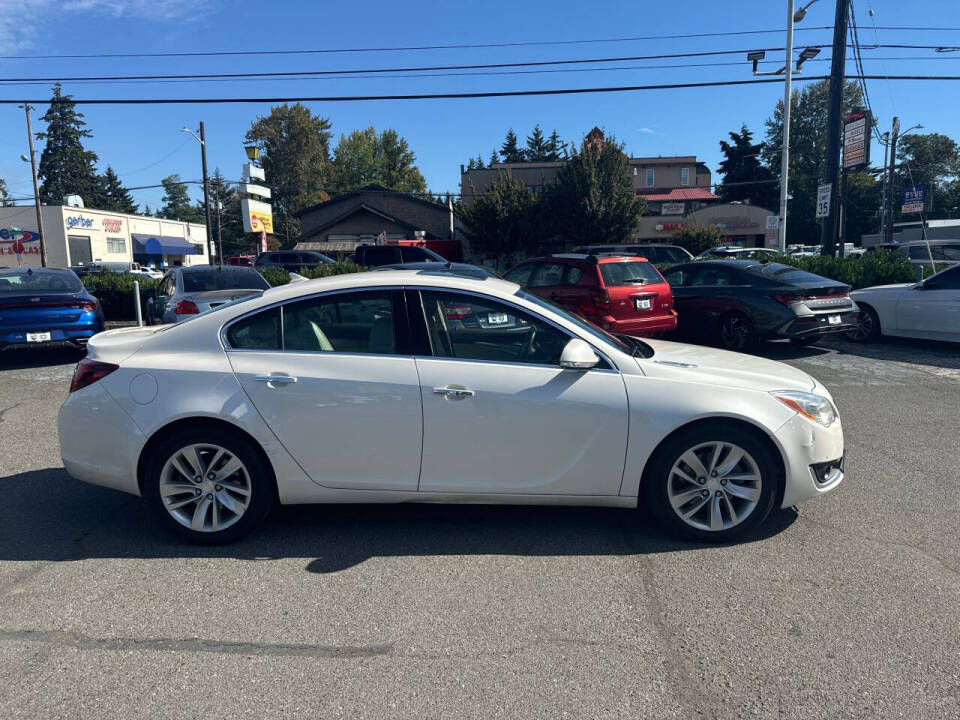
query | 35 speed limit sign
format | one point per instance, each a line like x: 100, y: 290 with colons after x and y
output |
x: 823, y: 200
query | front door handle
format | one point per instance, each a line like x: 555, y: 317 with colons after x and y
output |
x: 278, y: 379
x: 454, y: 393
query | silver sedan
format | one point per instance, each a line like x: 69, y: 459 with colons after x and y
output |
x: 187, y: 291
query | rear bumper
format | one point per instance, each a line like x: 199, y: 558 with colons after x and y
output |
x: 819, y: 324
x: 77, y: 334
x: 652, y: 324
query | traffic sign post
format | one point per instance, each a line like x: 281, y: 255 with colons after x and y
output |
x: 823, y: 200
x: 17, y: 235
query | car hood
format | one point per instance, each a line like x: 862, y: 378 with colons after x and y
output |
x: 117, y: 345
x: 710, y: 366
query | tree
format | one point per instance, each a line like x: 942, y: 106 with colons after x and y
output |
x: 697, y: 237
x: 593, y: 199
x: 862, y: 206
x: 538, y: 148
x: 929, y: 159
x: 556, y: 148
x: 4, y: 195
x: 176, y: 202
x: 745, y: 178
x: 115, y: 196
x: 494, y: 158
x: 475, y: 163
x: 510, y: 152
x: 364, y: 157
x: 227, y: 225
x: 808, y: 145
x: 295, y: 154
x: 66, y: 167
x: 504, y: 220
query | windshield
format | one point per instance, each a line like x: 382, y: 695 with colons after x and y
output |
x: 212, y: 280
x: 631, y: 346
x: 631, y: 272
x: 26, y: 281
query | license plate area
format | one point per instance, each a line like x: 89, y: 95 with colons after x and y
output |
x: 497, y: 319
x: 643, y: 303
x: 833, y: 319
x: 38, y: 337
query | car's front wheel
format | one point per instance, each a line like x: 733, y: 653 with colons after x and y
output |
x: 712, y: 482
x: 207, y: 485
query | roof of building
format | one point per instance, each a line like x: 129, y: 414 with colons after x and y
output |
x: 373, y: 189
x: 679, y: 195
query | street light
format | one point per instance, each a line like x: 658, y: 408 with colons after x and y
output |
x: 787, y: 71
x: 202, y: 139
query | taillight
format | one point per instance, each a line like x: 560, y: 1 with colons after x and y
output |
x: 88, y: 372
x: 601, y: 299
x: 87, y: 306
x: 457, y: 312
x: 787, y: 299
x: 186, y: 307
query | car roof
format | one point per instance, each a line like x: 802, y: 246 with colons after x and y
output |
x: 218, y: 268
x: 34, y: 270
x: 434, y: 266
x: 591, y: 258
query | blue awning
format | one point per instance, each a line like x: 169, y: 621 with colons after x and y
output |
x: 161, y: 245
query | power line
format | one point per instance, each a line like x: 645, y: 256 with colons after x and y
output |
x: 454, y: 46
x: 454, y: 95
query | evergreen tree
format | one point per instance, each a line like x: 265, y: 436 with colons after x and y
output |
x: 176, y: 202
x: 4, y: 195
x: 538, y: 148
x: 226, y: 225
x: 115, y: 196
x: 472, y: 164
x: 147, y: 211
x: 745, y: 178
x: 510, y: 152
x: 556, y: 148
x: 66, y: 168
x: 364, y: 157
x: 494, y: 158
x: 479, y: 162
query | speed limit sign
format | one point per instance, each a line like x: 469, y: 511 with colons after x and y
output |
x: 823, y: 200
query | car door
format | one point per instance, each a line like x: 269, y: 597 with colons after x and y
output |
x: 933, y: 308
x: 500, y: 416
x: 330, y: 377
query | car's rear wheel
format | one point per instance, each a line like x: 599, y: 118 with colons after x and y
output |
x: 737, y: 332
x: 868, y: 326
x: 713, y: 482
x: 207, y: 485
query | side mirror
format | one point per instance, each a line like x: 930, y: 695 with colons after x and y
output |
x: 578, y: 355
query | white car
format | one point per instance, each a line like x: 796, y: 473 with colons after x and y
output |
x: 928, y: 310
x: 430, y: 386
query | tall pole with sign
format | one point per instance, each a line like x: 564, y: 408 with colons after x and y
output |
x: 257, y: 212
x: 36, y: 190
x: 831, y: 162
x: 856, y: 156
x: 891, y: 209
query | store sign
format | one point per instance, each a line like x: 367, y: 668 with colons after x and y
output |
x: 773, y: 222
x: 856, y: 141
x: 112, y: 225
x: 671, y: 208
x: 913, y: 199
x: 669, y: 227
x: 8, y: 235
x: 257, y: 216
x: 78, y: 221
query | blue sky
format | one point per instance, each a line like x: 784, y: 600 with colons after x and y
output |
x: 143, y: 143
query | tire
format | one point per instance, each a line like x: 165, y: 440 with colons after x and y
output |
x: 709, y: 503
x: 177, y: 499
x: 868, y: 326
x: 737, y: 332
x: 805, y: 341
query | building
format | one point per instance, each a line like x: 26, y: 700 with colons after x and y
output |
x: 741, y: 225
x: 79, y: 236
x: 914, y: 230
x: 374, y: 213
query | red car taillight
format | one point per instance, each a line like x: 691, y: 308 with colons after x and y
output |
x: 88, y: 372
x: 601, y: 299
x: 457, y: 312
x: 87, y: 306
x: 186, y: 307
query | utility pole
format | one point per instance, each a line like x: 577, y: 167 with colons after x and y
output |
x: 888, y: 227
x: 883, y: 191
x: 206, y: 195
x: 831, y: 172
x: 36, y: 190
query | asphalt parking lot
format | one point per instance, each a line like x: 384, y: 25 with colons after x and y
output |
x: 847, y: 607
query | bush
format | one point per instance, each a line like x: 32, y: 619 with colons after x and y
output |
x: 695, y: 238
x: 279, y: 276
x: 114, y: 291
x: 880, y: 267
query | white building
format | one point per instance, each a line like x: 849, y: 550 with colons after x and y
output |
x: 78, y: 236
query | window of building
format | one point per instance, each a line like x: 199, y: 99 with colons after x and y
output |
x: 684, y: 176
x: 198, y: 248
x: 116, y: 245
x: 635, y: 171
x: 649, y: 177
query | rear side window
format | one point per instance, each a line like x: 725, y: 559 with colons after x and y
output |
x: 572, y: 275
x: 547, y: 275
x: 257, y: 332
x: 673, y: 255
x: 713, y: 277
x: 359, y: 322
x: 629, y: 273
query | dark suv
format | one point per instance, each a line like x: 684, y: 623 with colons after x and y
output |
x: 377, y: 255
x: 291, y: 260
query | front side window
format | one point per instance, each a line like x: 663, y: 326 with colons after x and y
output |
x: 116, y: 245
x: 467, y: 327
x: 356, y: 322
x: 713, y: 277
x: 947, y: 280
x: 547, y: 275
x: 520, y: 274
x: 650, y: 177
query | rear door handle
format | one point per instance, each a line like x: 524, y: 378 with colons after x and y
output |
x: 454, y: 393
x: 278, y: 379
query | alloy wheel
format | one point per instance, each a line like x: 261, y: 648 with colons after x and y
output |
x: 205, y: 487
x: 735, y: 332
x: 714, y: 486
x: 863, y: 328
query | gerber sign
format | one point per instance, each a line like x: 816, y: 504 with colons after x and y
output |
x: 257, y: 216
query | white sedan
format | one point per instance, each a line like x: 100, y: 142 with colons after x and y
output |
x: 438, y: 386
x: 928, y: 310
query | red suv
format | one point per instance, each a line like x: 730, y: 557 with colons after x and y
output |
x: 622, y: 294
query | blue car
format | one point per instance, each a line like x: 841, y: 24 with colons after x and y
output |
x: 41, y: 306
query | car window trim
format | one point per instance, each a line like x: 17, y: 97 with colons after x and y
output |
x: 611, y: 366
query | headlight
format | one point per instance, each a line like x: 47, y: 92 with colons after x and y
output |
x: 814, y: 407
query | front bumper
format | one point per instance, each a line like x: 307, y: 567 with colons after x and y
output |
x: 813, y: 458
